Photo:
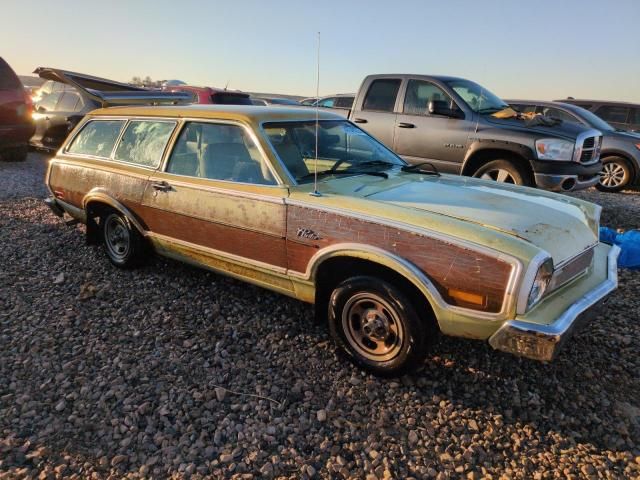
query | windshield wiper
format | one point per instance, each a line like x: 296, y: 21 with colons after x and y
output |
x: 344, y: 172
x: 416, y: 169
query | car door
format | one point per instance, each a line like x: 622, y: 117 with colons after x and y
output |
x: 217, y: 203
x: 59, y: 124
x: 376, y: 114
x: 422, y: 136
x: 43, y: 112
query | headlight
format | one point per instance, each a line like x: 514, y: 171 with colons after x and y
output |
x: 554, y: 149
x: 540, y: 283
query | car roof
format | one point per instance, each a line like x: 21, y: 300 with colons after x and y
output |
x: 243, y: 113
x: 441, y: 78
x: 210, y: 90
x: 604, y: 102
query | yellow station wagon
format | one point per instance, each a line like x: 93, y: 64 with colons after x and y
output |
x: 388, y: 253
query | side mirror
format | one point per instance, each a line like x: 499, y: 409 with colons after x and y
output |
x: 441, y: 107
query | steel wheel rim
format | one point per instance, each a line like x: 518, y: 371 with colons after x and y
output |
x: 498, y: 175
x: 373, y: 327
x: 612, y: 175
x: 116, y: 236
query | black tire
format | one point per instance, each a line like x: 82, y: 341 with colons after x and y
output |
x: 124, y: 245
x: 616, y: 174
x: 17, y: 154
x: 497, y: 169
x: 367, y: 312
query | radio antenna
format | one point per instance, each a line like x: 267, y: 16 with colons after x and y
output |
x: 315, y: 192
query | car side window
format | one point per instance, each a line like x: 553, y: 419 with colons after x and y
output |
x: 344, y: 102
x: 559, y: 114
x: 68, y: 102
x: 96, y: 138
x: 613, y: 113
x: 327, y: 102
x: 382, y: 95
x: 420, y: 93
x: 49, y: 102
x: 144, y: 141
x: 219, y: 152
x: 635, y: 116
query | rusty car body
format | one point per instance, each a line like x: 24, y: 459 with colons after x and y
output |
x: 320, y: 211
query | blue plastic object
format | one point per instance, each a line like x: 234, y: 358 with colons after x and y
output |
x: 629, y: 243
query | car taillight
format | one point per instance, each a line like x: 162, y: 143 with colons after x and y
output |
x: 28, y: 105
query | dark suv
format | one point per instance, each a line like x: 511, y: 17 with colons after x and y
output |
x: 620, y: 152
x: 622, y: 115
x: 16, y: 125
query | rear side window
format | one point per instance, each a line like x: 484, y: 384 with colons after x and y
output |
x: 327, y: 102
x: 68, y: 102
x: 612, y: 113
x: 230, y: 99
x: 143, y: 142
x: 8, y: 79
x: 382, y: 95
x: 49, y: 102
x: 344, y: 102
x: 97, y: 138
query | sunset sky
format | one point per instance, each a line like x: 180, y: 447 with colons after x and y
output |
x: 538, y: 49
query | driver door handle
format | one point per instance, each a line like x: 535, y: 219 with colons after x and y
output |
x: 161, y: 186
x: 359, y: 120
x: 406, y: 125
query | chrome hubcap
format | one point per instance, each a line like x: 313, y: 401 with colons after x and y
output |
x: 117, y: 237
x: 498, y: 175
x: 372, y: 327
x: 612, y: 175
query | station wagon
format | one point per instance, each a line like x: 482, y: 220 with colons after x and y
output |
x: 309, y: 205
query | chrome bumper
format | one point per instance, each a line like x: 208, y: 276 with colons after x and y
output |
x: 542, y: 342
x: 563, y: 183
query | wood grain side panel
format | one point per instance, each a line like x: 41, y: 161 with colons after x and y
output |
x: 448, y: 266
x: 250, y: 244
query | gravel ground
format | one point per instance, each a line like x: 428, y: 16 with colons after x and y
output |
x: 170, y: 371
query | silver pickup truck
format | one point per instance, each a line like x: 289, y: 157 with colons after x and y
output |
x: 460, y: 127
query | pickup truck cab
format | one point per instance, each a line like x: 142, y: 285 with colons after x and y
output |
x: 460, y: 127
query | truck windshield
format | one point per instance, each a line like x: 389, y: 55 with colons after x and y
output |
x: 343, y: 149
x: 478, y: 98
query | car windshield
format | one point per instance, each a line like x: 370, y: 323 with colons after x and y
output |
x: 478, y: 98
x: 593, y: 120
x: 343, y: 149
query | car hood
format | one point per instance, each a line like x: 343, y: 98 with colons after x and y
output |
x: 558, y: 224
x: 562, y: 129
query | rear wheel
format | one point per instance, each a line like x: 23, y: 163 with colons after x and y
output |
x: 377, y: 326
x: 615, y: 174
x: 502, y: 171
x: 123, y: 243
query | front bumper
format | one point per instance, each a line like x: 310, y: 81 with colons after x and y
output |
x: 565, y: 183
x: 540, y: 341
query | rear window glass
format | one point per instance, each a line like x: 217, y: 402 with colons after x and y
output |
x: 230, y: 99
x: 97, y: 138
x: 382, y: 95
x: 143, y: 142
x: 612, y: 113
x: 8, y: 79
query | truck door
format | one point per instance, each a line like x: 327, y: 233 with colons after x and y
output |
x: 376, y: 112
x: 421, y: 136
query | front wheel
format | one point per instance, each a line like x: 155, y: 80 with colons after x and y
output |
x: 376, y: 325
x: 615, y: 174
x: 502, y: 171
x: 123, y: 244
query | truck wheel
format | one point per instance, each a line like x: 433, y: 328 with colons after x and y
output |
x: 615, y: 174
x: 123, y: 244
x: 376, y: 325
x: 502, y: 171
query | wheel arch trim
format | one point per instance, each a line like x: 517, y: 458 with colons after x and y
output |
x: 98, y: 195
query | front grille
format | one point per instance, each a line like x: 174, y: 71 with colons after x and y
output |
x: 569, y: 270
x: 590, y: 150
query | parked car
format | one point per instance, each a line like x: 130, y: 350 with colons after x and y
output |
x: 622, y: 115
x: 217, y: 96
x: 620, y: 152
x: 59, y: 111
x: 344, y: 100
x: 16, y: 125
x: 389, y: 253
x: 460, y: 127
x: 47, y: 88
x: 263, y: 101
